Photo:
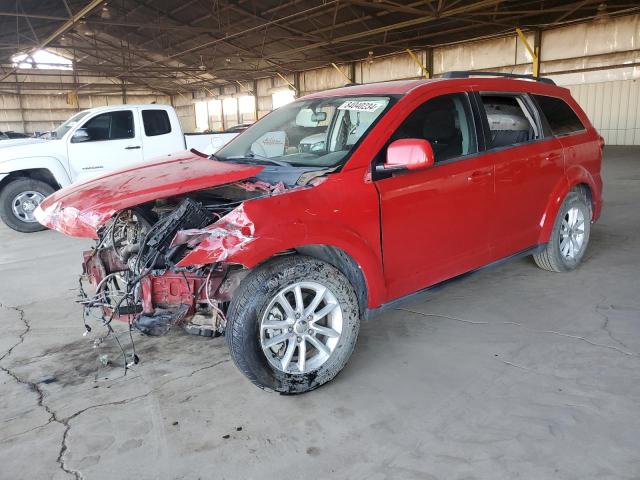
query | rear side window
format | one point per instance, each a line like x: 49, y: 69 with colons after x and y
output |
x: 110, y: 126
x: 156, y: 122
x: 560, y: 116
x: 510, y: 121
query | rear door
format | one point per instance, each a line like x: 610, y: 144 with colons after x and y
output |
x: 113, y: 142
x: 528, y: 165
x: 434, y: 220
x: 581, y: 146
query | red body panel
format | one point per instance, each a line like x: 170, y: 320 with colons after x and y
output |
x: 78, y: 210
x: 341, y: 212
x: 171, y: 289
x: 405, y: 232
x: 525, y: 177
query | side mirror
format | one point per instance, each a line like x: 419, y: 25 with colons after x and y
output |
x: 80, y: 135
x: 408, y: 154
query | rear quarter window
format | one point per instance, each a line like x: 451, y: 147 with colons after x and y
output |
x: 156, y: 122
x: 560, y: 116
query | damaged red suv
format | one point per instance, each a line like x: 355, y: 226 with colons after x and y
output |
x: 334, y: 206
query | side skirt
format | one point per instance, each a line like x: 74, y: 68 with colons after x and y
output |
x: 374, y: 312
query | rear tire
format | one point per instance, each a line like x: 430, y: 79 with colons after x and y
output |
x: 292, y: 349
x: 18, y: 199
x: 570, y: 235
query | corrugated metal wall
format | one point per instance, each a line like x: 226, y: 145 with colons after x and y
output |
x: 40, y: 113
x: 599, y: 61
x: 613, y: 109
x: 186, y: 111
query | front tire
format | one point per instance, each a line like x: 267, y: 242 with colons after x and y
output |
x: 18, y: 199
x: 570, y: 235
x: 292, y: 324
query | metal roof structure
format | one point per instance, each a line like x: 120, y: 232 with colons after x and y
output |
x: 174, y: 46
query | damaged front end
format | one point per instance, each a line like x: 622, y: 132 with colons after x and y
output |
x: 146, y: 220
x: 138, y: 270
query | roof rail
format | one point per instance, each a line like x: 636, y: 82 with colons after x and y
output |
x: 467, y: 74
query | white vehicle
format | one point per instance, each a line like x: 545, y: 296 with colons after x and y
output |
x: 91, y: 143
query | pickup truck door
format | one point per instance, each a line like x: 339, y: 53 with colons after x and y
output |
x: 161, y: 133
x: 435, y: 221
x: 105, y: 142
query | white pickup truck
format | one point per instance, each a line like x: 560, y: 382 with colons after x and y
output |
x: 91, y: 143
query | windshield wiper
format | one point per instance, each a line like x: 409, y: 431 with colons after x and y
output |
x: 252, y: 157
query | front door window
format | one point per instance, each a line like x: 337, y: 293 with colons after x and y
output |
x: 446, y: 123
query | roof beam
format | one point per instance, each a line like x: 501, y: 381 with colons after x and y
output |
x: 113, y: 23
x: 68, y: 24
x: 396, y: 26
x: 382, y: 5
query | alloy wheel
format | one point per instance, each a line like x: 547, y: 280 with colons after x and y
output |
x: 572, y: 233
x: 301, y: 327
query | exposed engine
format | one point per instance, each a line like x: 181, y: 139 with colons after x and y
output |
x: 134, y: 271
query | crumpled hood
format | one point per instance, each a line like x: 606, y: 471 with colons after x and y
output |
x: 79, y: 209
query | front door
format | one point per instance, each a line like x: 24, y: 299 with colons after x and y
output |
x: 435, y: 221
x: 109, y: 142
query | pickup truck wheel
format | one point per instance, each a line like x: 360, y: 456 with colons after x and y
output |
x: 570, y: 235
x: 292, y: 324
x: 18, y: 200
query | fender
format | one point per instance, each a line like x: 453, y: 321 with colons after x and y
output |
x: 575, y: 175
x: 263, y: 248
x: 260, y: 229
x: 52, y: 164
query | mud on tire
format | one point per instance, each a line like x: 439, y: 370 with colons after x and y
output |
x: 250, y: 303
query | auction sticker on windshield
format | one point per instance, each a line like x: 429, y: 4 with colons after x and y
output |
x: 360, y: 106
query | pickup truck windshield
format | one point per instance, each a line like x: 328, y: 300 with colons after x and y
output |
x: 318, y: 132
x: 66, y: 126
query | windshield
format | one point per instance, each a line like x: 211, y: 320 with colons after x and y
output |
x: 68, y: 125
x: 317, y: 132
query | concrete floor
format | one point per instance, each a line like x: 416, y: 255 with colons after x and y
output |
x: 512, y: 372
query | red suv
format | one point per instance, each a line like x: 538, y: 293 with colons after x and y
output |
x: 332, y: 207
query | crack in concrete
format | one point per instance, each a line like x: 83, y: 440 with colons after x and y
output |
x: 22, y: 335
x: 448, y: 317
x: 191, y: 374
x: 24, y: 432
x: 577, y: 337
x: 34, y: 387
x: 65, y: 421
x: 605, y: 325
x: 551, y: 332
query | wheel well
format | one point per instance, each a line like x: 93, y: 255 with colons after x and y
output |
x: 41, y: 174
x: 343, y: 262
x: 586, y: 191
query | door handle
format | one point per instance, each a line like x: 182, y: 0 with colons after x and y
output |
x: 132, y: 147
x: 478, y: 175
